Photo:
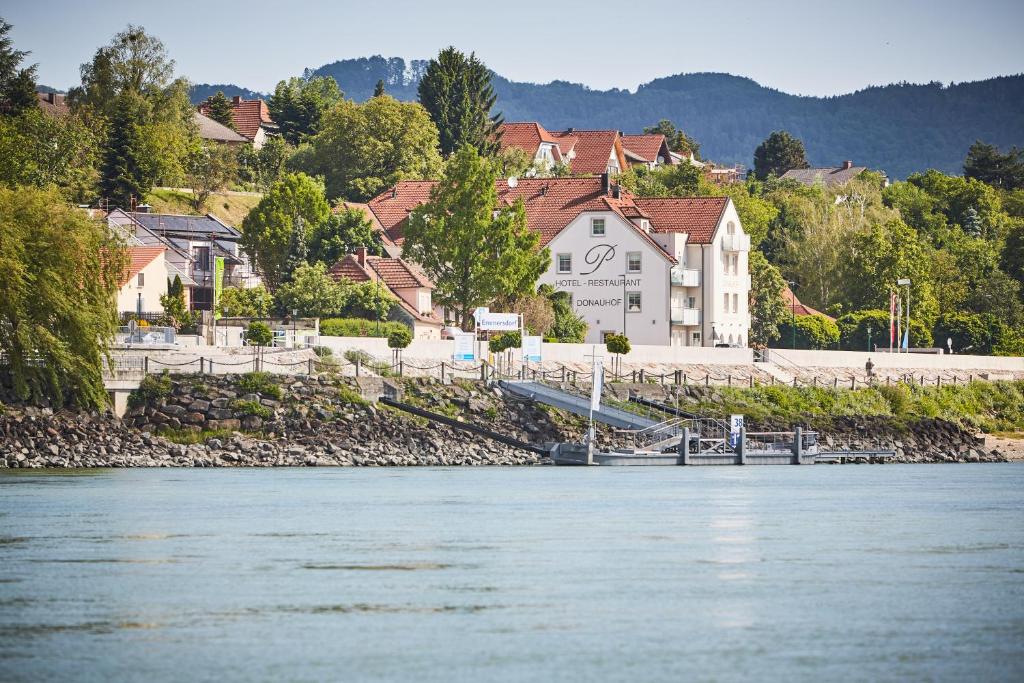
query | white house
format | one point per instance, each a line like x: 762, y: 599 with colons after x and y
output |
x: 144, y: 281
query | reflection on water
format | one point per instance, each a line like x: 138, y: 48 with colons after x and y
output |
x: 838, y: 573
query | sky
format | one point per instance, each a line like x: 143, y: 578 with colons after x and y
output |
x: 821, y: 47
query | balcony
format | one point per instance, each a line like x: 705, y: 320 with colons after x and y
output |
x: 736, y: 243
x: 685, y: 277
x: 685, y: 316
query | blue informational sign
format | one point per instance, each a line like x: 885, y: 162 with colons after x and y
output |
x: 465, y: 346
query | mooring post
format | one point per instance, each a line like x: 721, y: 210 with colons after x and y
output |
x: 684, y: 446
x: 798, y: 444
x: 743, y: 445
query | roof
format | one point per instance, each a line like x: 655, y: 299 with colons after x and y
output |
x: 696, y: 216
x: 392, y: 207
x: 528, y: 136
x: 828, y: 176
x: 140, y: 257
x: 215, y: 130
x: 648, y: 147
x: 166, y: 224
x: 593, y: 149
x: 394, y: 273
x: 248, y: 116
x: 53, y: 103
x: 793, y: 304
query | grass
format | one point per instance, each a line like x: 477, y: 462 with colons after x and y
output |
x: 349, y: 396
x: 187, y: 437
x: 229, y: 207
x: 260, y: 383
x: 250, y: 408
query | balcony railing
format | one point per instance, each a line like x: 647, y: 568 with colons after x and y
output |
x: 685, y: 316
x: 685, y: 277
x: 736, y: 243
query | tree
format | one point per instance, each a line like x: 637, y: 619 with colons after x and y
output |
x: 779, y: 153
x: 128, y: 168
x: 220, y: 110
x: 378, y: 89
x: 362, y: 149
x: 267, y: 229
x: 456, y: 90
x: 619, y: 346
x: 17, y: 85
x: 854, y: 326
x: 473, y: 248
x: 812, y: 331
x: 298, y: 106
x: 59, y: 274
x: 537, y: 311
x: 245, y: 302
x: 344, y: 230
x: 211, y: 168
x: 262, y: 167
x: 987, y: 164
x: 258, y: 334
x: 970, y: 332
x: 366, y: 300
x: 41, y: 150
x: 768, y: 309
x: 677, y: 140
x: 567, y: 327
x: 175, y: 312
x: 311, y: 292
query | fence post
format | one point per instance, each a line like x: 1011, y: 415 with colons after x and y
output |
x: 853, y: 382
x: 970, y: 378
x: 401, y: 368
x: 145, y: 365
x: 309, y: 362
x: 751, y: 381
x: 707, y: 380
x: 483, y: 371
x: 728, y: 379
x: 442, y: 372
x: 773, y: 380
x: 358, y: 363
x: 794, y: 382
x: 684, y: 379
x: 211, y: 366
x: 815, y: 381
x: 202, y: 364
x: 641, y: 375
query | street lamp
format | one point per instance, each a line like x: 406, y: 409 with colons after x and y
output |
x: 623, y: 304
x: 869, y: 338
x: 905, y: 282
x: 295, y: 337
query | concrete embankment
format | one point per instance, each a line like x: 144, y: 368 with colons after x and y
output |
x: 263, y: 421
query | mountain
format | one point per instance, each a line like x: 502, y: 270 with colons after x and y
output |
x: 898, y: 128
x: 199, y: 92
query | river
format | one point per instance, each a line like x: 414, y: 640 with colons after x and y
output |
x: 869, y: 573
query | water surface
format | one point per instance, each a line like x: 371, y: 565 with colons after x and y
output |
x: 784, y: 573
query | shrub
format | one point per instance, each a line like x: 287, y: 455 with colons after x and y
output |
x: 242, y: 302
x: 618, y: 344
x: 250, y: 408
x: 399, y: 338
x: 260, y: 383
x: 505, y: 341
x: 152, y: 389
x: 357, y: 327
x: 812, y: 332
x: 258, y: 334
x: 323, y: 352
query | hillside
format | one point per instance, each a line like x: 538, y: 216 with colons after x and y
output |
x: 900, y: 128
x: 229, y: 207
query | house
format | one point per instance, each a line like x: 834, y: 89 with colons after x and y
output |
x: 665, y: 271
x: 251, y: 118
x: 797, y: 308
x: 532, y: 138
x: 827, y: 176
x: 650, y: 150
x: 587, y: 152
x: 215, y: 131
x: 144, y: 281
x: 411, y: 289
x: 193, y: 244
x: 53, y: 103
x: 390, y: 248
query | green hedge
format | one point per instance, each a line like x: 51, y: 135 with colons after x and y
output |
x: 357, y: 327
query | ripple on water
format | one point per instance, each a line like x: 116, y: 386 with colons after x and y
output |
x: 403, y: 567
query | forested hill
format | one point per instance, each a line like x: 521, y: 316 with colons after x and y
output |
x: 898, y: 128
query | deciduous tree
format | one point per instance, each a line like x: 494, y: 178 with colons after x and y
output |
x: 343, y: 231
x: 17, y: 83
x: 767, y: 307
x: 779, y: 153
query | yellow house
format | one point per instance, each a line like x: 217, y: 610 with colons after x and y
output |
x: 144, y: 281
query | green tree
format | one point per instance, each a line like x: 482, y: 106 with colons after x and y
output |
x: 221, y: 110
x: 364, y: 148
x: 473, y: 248
x: 298, y: 106
x: 258, y: 334
x: 986, y: 164
x: 677, y: 140
x: 17, y: 84
x: 779, y: 153
x: 267, y: 230
x: 768, y: 309
x: 210, y: 168
x: 366, y: 300
x: 971, y: 333
x: 128, y: 169
x: 1012, y: 257
x: 263, y: 167
x: 245, y: 302
x: 456, y: 90
x: 854, y: 326
x: 344, y: 230
x: 812, y: 332
x: 378, y: 89
x: 41, y: 150
x: 567, y: 327
x: 311, y: 292
x: 59, y: 276
x: 175, y: 312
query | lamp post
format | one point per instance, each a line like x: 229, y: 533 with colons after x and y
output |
x: 623, y: 304
x: 905, y: 282
x: 869, y: 338
x: 295, y: 337
x: 792, y: 311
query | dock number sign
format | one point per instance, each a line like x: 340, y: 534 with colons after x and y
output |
x: 735, y: 425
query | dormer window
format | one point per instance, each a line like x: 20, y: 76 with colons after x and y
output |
x: 645, y: 225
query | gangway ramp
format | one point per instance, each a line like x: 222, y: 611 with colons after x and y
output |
x: 580, y: 405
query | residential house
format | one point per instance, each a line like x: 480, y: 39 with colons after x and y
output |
x: 53, y: 103
x: 532, y: 138
x: 251, y: 118
x: 587, y: 152
x: 144, y: 281
x: 661, y: 270
x: 827, y: 176
x: 215, y: 131
x: 193, y: 244
x: 650, y: 150
x: 411, y: 289
x: 798, y: 308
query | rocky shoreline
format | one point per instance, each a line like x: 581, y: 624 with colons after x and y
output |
x: 258, y: 421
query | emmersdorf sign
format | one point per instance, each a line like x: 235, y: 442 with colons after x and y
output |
x: 505, y: 322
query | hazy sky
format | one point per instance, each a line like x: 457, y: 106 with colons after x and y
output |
x: 819, y: 47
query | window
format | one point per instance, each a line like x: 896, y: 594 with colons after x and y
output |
x: 735, y: 303
x: 202, y: 298
x: 645, y: 225
x: 725, y: 303
x: 142, y: 280
x: 633, y: 302
x: 597, y: 227
x: 565, y: 263
x: 424, y: 301
x: 633, y: 262
x: 202, y: 258
x: 731, y: 228
x: 696, y: 338
x: 691, y: 302
x: 733, y: 264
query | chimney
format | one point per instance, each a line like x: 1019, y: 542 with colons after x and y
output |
x: 571, y: 130
x: 361, y: 256
x: 605, y: 184
x: 847, y: 165
x: 143, y: 208
x: 616, y: 191
x: 237, y: 99
x: 51, y: 97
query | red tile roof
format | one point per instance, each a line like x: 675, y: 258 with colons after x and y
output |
x: 794, y: 304
x: 248, y: 116
x: 593, y: 149
x: 392, y: 272
x: 392, y: 207
x: 139, y: 258
x: 648, y: 147
x: 696, y: 216
x: 527, y: 136
x: 53, y: 103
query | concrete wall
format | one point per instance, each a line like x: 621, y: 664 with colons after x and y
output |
x: 857, y: 359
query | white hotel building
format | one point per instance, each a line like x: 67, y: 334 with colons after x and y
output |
x: 664, y: 271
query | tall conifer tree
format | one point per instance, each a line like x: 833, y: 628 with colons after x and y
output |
x: 456, y: 90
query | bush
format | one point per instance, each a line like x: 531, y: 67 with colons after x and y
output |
x: 152, y: 389
x: 617, y: 343
x: 357, y: 327
x: 241, y: 302
x: 323, y: 352
x: 250, y: 408
x: 258, y: 334
x: 399, y: 338
x: 260, y: 383
x: 812, y: 332
x: 505, y: 341
x: 853, y: 330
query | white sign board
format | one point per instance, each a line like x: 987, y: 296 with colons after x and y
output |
x: 465, y: 346
x: 595, y: 392
x: 735, y: 425
x: 531, y: 349
x: 503, y: 322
